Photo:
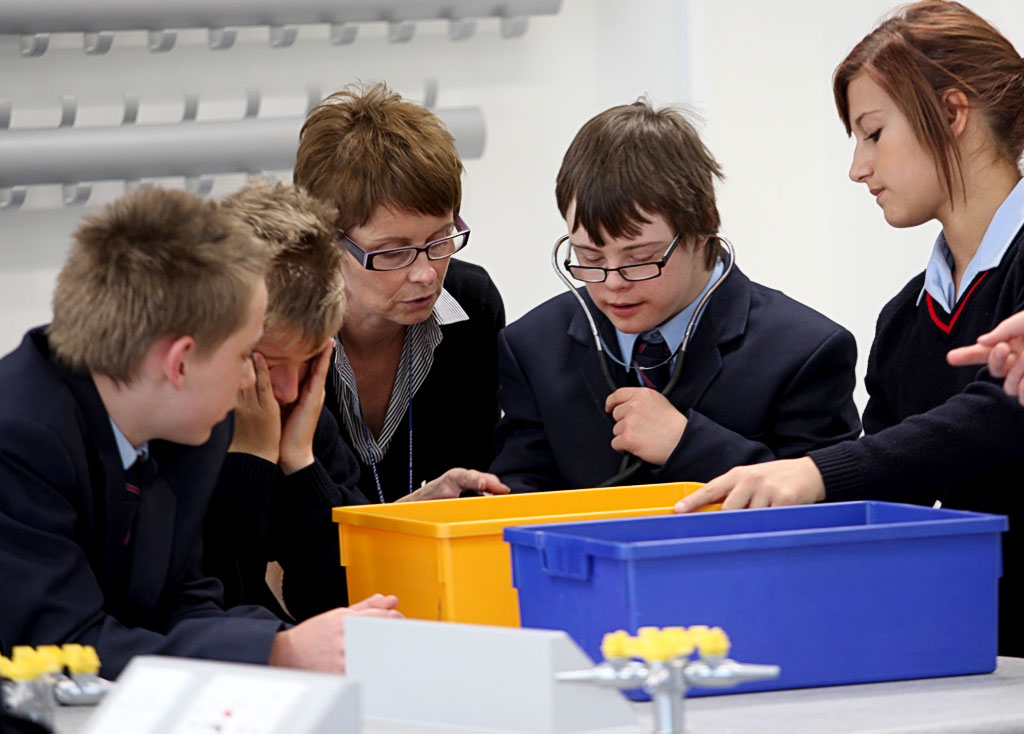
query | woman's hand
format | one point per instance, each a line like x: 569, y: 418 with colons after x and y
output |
x: 456, y: 481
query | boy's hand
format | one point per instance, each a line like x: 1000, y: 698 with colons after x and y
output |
x: 300, y: 425
x: 456, y: 481
x: 257, y: 417
x: 647, y: 425
x: 319, y: 642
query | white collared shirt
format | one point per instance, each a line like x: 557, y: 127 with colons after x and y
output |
x: 938, y: 275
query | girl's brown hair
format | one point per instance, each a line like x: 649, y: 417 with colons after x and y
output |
x: 928, y: 48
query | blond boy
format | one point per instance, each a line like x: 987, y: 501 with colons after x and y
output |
x: 112, y: 431
x: 288, y: 465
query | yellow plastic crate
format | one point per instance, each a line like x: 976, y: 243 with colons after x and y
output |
x: 446, y: 559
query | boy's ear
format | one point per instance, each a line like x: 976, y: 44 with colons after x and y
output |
x: 957, y: 108
x: 177, y: 353
x: 700, y: 243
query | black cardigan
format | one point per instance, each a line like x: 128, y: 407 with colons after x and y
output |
x: 455, y: 410
x: 936, y: 432
x: 257, y: 515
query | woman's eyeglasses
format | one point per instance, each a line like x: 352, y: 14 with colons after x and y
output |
x: 402, y: 257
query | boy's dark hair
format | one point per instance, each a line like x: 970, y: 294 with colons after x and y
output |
x: 153, y: 263
x: 635, y: 159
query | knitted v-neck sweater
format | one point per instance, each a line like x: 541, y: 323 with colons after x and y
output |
x: 936, y: 432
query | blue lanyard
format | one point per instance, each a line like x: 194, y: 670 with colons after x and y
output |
x: 366, y: 431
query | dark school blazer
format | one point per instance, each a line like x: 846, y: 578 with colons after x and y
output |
x: 60, y: 474
x: 765, y: 378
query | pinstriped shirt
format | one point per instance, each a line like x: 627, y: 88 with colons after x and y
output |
x: 422, y: 338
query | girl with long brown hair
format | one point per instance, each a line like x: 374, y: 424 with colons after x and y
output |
x: 934, y: 97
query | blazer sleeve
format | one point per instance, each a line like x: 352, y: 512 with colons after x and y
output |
x: 813, y: 409
x: 59, y: 599
x: 524, y: 461
x: 305, y: 537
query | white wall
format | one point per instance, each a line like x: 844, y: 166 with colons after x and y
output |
x: 759, y: 74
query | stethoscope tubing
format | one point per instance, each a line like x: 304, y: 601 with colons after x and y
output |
x: 630, y: 464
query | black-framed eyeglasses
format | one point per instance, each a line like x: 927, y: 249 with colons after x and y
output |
x: 402, y: 257
x: 640, y: 271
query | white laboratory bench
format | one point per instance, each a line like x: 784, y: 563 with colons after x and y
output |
x: 972, y: 704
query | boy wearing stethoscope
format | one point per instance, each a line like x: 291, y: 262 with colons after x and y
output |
x: 669, y: 364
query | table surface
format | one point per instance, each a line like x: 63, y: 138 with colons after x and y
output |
x: 966, y: 705
x: 973, y: 703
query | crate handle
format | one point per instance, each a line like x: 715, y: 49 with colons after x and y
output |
x: 557, y: 561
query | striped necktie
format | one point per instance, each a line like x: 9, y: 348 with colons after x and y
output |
x: 121, y: 516
x: 650, y: 352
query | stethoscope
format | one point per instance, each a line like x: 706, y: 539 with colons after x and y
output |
x: 630, y: 464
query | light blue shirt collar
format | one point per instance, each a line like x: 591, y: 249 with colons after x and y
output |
x: 129, y: 454
x: 673, y: 330
x: 938, y: 276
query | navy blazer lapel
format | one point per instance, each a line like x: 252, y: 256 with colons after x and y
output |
x: 585, y: 354
x: 152, y: 544
x: 154, y: 523
x: 724, y: 319
x: 96, y: 419
x: 96, y: 426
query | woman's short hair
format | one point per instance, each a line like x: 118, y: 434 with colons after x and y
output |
x: 154, y: 263
x: 924, y: 50
x: 633, y: 159
x: 305, y: 286
x: 366, y: 147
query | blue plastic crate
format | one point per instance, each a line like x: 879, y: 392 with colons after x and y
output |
x: 836, y: 593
